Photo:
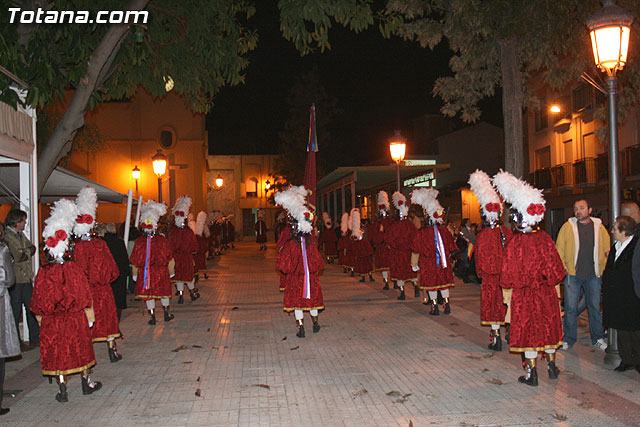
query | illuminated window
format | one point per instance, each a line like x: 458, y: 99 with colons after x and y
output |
x: 252, y: 187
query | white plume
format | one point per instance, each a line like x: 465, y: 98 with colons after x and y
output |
x: 293, y: 200
x: 524, y: 198
x: 487, y: 196
x: 355, y: 223
x: 400, y: 203
x: 58, y: 227
x: 383, y: 200
x: 87, y: 202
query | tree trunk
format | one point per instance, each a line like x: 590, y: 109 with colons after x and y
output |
x: 60, y: 141
x: 512, y: 99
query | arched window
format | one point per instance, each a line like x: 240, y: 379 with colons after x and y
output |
x: 252, y: 187
x: 167, y: 137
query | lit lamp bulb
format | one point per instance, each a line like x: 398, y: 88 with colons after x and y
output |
x: 135, y: 173
x: 219, y: 181
x: 555, y: 109
x: 609, y: 29
x: 159, y: 162
x: 397, y: 147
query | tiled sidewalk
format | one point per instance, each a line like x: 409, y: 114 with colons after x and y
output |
x: 232, y: 358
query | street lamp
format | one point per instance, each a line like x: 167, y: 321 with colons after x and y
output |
x: 159, y: 162
x: 135, y: 173
x: 609, y: 29
x: 397, y: 147
x: 219, y: 181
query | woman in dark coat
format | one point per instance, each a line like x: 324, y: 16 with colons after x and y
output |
x: 621, y: 306
x: 119, y: 253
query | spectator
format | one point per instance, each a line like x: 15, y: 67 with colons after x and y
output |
x: 583, y: 244
x: 9, y: 341
x: 22, y: 250
x: 261, y: 231
x: 631, y: 209
x: 621, y: 306
x: 466, y: 245
x: 119, y: 253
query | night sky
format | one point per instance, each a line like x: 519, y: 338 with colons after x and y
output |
x: 380, y: 85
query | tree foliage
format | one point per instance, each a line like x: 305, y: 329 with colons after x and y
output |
x: 202, y: 46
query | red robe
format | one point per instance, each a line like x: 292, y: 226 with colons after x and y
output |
x: 343, y: 248
x: 361, y: 251
x: 433, y: 276
x: 159, y: 280
x: 283, y: 238
x: 383, y: 251
x: 200, y: 258
x: 60, y: 295
x: 95, y: 259
x: 399, y: 238
x: 183, y: 245
x: 532, y: 267
x: 489, y: 251
x: 329, y: 240
x: 290, y: 262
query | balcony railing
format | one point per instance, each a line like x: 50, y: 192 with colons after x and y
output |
x: 585, y: 171
x: 562, y: 175
x: 602, y: 167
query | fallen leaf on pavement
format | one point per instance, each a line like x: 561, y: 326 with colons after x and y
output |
x: 196, y: 346
x: 496, y: 381
x: 208, y: 329
x: 410, y: 423
x: 485, y: 370
x: 198, y: 392
x: 393, y: 393
x: 182, y: 347
x: 186, y: 363
x: 234, y: 308
x: 585, y: 405
x: 295, y: 348
x: 215, y: 347
x: 404, y: 396
x: 267, y: 386
x: 453, y: 324
x: 198, y: 379
x: 359, y: 393
x: 560, y: 417
x: 283, y: 339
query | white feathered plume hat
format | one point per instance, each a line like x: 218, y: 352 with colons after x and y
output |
x: 326, y: 219
x: 191, y: 222
x: 355, y: 223
x: 344, y: 224
x: 294, y: 200
x: 427, y: 198
x: 400, y: 203
x: 59, y: 226
x: 201, y: 223
x: 181, y: 210
x: 86, y: 202
x: 383, y: 201
x: 489, y: 200
x: 523, y: 197
x: 150, y: 214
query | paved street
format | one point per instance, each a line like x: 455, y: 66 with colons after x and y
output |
x: 232, y: 358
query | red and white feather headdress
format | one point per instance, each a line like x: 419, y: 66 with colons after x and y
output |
x: 59, y: 226
x: 487, y: 196
x: 524, y: 198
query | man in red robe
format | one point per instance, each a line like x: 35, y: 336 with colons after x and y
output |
x: 532, y: 267
x: 61, y: 302
x: 328, y: 239
x: 399, y: 238
x: 378, y: 231
x: 94, y: 257
x: 489, y: 249
x: 151, y: 255
x: 183, y: 246
x: 202, y: 236
x: 360, y: 248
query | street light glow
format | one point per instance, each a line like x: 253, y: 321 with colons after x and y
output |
x: 555, y: 109
x: 219, y: 181
x: 135, y: 173
x: 397, y: 146
x: 159, y: 162
x: 609, y: 29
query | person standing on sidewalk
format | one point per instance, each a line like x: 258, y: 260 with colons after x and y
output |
x: 431, y: 251
x: 360, y: 248
x: 202, y: 235
x: 399, y: 237
x: 22, y: 250
x: 531, y: 267
x: 583, y: 244
x: 183, y: 245
x: 343, y: 243
x: 151, y: 255
x: 490, y: 244
x: 9, y: 340
x: 300, y: 260
x: 378, y: 231
x: 94, y: 258
x: 328, y: 239
x: 62, y: 303
x: 261, y: 231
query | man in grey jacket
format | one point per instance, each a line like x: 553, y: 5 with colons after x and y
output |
x: 22, y: 250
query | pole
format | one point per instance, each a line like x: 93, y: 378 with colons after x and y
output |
x: 612, y: 356
x: 398, y: 176
x: 127, y: 221
x: 138, y: 211
x: 159, y: 189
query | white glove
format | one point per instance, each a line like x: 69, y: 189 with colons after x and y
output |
x: 415, y: 268
x: 135, y: 278
x: 91, y: 324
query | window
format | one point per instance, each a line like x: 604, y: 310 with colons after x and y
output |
x: 167, y: 137
x: 568, y: 150
x: 543, y: 158
x: 252, y: 187
x: 541, y: 116
x: 582, y: 98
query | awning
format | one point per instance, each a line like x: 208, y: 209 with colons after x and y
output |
x: 62, y: 183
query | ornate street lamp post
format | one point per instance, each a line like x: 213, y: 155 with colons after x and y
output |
x: 159, y: 162
x: 397, y: 147
x: 609, y: 29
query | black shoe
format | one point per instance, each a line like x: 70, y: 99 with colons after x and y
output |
x: 167, y: 316
x: 206, y: 276
x: 624, y: 367
x: 362, y: 280
x: 88, y: 388
x: 507, y: 334
x: 553, y: 370
x: 316, y: 327
x: 62, y: 395
x: 416, y: 291
x: 371, y: 279
x: 4, y: 411
x: 434, y: 310
x: 113, y: 355
x: 194, y: 295
x: 401, y: 297
x: 447, y: 308
x: 386, y: 286
x: 300, y: 333
x: 395, y: 285
x: 352, y: 273
x: 531, y: 378
x: 496, y: 343
x: 180, y: 299
x: 152, y: 320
